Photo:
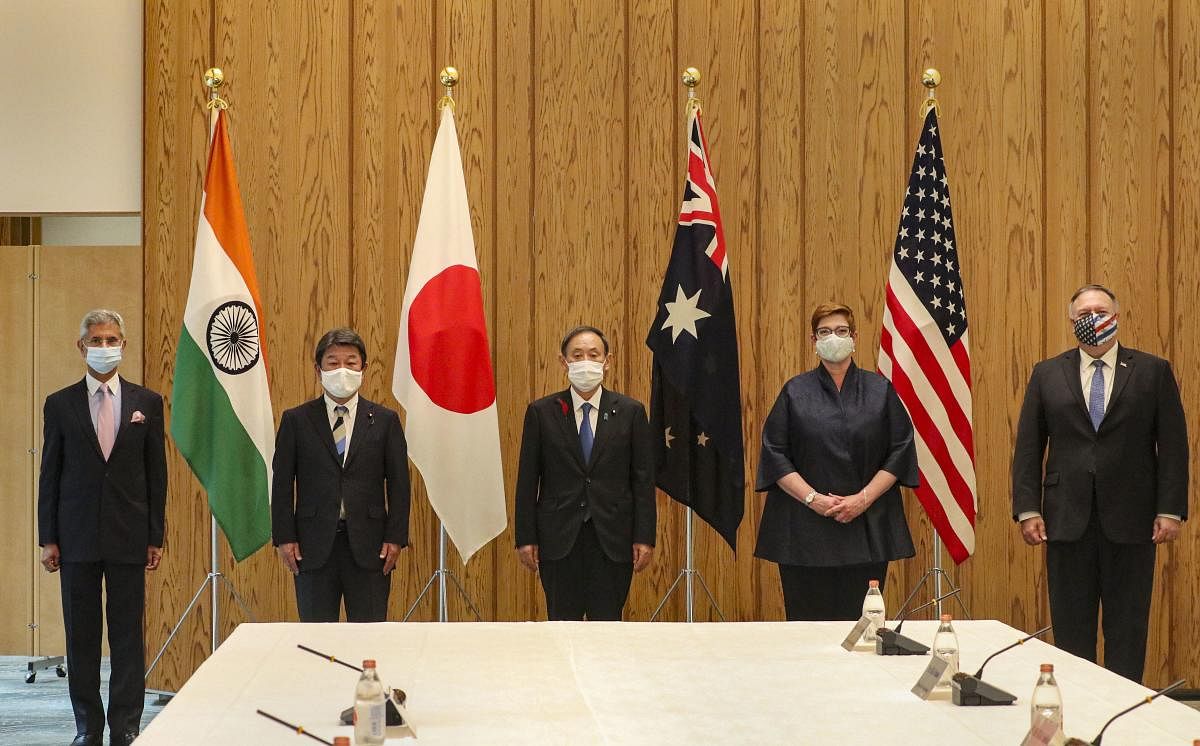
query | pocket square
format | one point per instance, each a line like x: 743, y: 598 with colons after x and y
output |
x: 137, y: 418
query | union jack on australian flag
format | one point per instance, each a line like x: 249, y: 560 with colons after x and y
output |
x: 695, y: 399
x: 923, y: 346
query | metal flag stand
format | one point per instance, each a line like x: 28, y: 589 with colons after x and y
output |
x: 448, y: 77
x: 214, y: 78
x: 440, y: 575
x: 689, y: 574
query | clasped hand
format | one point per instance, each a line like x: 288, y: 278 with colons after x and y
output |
x: 841, y: 508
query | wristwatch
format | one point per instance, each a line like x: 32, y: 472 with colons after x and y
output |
x: 809, y: 497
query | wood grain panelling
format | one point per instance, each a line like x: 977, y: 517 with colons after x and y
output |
x: 1069, y: 134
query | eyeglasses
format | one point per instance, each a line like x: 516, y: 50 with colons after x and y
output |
x: 841, y: 331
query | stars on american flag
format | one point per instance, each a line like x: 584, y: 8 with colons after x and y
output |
x: 926, y: 250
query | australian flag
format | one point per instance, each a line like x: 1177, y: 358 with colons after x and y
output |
x: 695, y: 399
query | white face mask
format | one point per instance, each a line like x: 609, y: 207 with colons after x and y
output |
x: 585, y: 375
x: 103, y: 359
x: 835, y: 349
x: 341, y: 383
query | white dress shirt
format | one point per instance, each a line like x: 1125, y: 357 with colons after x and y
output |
x: 593, y: 416
x: 114, y: 387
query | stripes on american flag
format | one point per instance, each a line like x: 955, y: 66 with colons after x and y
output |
x: 924, y: 350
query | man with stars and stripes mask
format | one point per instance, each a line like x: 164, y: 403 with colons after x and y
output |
x: 1100, y: 475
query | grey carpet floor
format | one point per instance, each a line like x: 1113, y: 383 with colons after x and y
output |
x: 39, y: 714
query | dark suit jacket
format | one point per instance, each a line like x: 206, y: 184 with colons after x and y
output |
x: 310, y: 484
x: 96, y: 510
x: 555, y: 489
x: 1138, y: 460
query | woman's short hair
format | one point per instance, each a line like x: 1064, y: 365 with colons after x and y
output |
x: 828, y: 309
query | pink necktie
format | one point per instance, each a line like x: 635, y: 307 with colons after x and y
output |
x: 105, y: 430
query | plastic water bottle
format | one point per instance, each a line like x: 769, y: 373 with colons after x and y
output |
x: 370, y: 703
x: 1047, y: 701
x: 945, y: 646
x: 873, y: 609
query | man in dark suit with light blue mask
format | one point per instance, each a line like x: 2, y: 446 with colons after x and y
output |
x: 102, y: 496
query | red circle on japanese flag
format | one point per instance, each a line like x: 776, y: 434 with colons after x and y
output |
x: 448, y: 344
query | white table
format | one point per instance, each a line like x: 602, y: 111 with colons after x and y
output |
x: 578, y: 683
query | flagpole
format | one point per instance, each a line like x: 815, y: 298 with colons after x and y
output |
x: 448, y: 77
x: 213, y: 79
x: 689, y: 574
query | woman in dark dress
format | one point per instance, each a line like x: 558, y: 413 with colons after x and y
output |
x: 836, y: 448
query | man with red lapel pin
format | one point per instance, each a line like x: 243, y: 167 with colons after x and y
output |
x: 102, y: 498
x: 585, y: 510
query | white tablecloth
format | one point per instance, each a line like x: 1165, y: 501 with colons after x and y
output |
x: 579, y: 683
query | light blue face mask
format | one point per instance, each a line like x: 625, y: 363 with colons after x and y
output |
x: 103, y: 359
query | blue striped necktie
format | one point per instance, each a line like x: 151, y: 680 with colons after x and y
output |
x: 339, y: 431
x: 1096, y: 400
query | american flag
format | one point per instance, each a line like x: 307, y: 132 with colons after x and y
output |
x: 695, y: 397
x: 924, y: 349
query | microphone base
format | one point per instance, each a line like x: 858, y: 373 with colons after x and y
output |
x: 890, y: 643
x: 968, y: 691
x: 393, y: 715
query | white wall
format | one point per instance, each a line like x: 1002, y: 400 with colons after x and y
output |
x: 71, y: 128
x: 64, y: 230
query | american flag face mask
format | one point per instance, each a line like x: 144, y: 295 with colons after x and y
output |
x: 1095, y: 329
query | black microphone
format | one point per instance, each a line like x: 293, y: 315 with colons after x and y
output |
x: 1145, y: 701
x: 891, y: 642
x: 393, y: 716
x: 973, y: 691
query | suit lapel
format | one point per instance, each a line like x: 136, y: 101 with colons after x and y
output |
x: 604, y: 423
x: 1123, y: 372
x: 1070, y: 369
x: 79, y: 403
x: 128, y: 407
x: 363, y: 419
x: 319, y: 419
x: 565, y: 414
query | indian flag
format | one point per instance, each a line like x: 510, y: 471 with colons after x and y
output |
x: 221, y: 416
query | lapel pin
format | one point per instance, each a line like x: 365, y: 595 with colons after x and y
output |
x: 1124, y: 365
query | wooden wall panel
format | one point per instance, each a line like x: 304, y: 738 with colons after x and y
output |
x: 392, y: 91
x: 1181, y: 590
x: 19, y: 553
x: 1069, y: 136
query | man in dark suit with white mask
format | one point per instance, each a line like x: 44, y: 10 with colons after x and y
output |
x: 585, y: 510
x: 340, y: 501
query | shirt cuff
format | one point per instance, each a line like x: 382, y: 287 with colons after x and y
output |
x: 1172, y: 516
x: 1027, y: 515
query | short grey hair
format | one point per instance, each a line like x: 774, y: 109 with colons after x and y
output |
x: 100, y: 316
x: 1087, y: 288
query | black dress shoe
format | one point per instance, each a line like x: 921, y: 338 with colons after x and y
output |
x: 121, y: 739
x: 88, y: 739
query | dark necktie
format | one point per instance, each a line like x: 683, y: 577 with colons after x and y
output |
x: 586, y: 436
x: 339, y: 431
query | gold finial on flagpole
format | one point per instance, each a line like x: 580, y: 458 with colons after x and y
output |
x: 931, y: 79
x: 691, y: 79
x: 448, y: 77
x: 213, y: 79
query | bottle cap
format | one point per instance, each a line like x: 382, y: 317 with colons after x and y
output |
x: 369, y: 663
x: 947, y: 618
x: 341, y: 741
x: 873, y: 584
x: 1047, y: 668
